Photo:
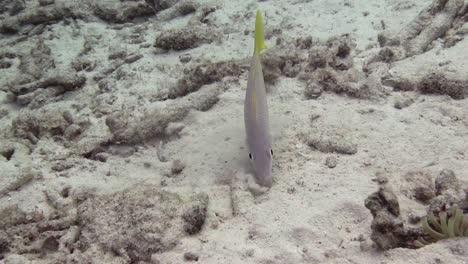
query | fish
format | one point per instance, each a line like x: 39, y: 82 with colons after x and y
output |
x: 257, y: 126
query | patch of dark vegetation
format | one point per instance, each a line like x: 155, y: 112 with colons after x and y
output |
x: 123, y: 11
x: 40, y: 15
x: 305, y: 43
x: 339, y: 50
x: 313, y: 90
x: 14, y: 151
x: 403, y: 102
x: 399, y: 84
x: 190, y: 256
x: 7, y: 153
x: 48, y: 89
x: 386, y: 55
x: 4, y: 245
x: 186, y: 7
x: 83, y: 64
x: 177, y: 167
x: 350, y: 83
x: 281, y: 60
x: 431, y: 83
x: 67, y: 81
x: 327, y: 143
x: 195, y: 218
x: 12, y: 7
x: 105, y: 150
x: 62, y: 165
x: 318, y: 57
x: 8, y: 54
x: 5, y: 64
x: 98, y: 154
x: 135, y: 223
x: 128, y: 129
x: 46, y: 2
x: 160, y: 5
x: 437, y: 83
x: 202, y: 74
x: 188, y: 37
x: 323, y: 66
x: 4, y: 112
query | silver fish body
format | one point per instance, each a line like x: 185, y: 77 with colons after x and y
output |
x: 257, y: 124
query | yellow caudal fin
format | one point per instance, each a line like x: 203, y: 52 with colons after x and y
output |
x: 259, y: 39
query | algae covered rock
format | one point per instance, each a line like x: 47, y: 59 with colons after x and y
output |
x: 388, y: 229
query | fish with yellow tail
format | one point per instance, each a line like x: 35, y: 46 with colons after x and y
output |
x: 256, y: 119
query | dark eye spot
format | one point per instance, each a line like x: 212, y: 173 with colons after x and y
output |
x: 271, y: 151
x: 250, y: 155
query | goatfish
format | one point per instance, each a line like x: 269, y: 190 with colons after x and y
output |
x: 256, y: 120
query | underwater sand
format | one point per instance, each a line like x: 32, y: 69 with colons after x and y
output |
x: 122, y: 134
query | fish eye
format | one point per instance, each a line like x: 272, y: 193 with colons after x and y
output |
x: 271, y: 152
x: 250, y: 155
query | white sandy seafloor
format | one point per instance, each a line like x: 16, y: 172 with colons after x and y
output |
x: 117, y: 149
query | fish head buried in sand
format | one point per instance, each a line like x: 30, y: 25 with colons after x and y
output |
x: 256, y: 114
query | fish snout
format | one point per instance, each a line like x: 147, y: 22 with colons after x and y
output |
x: 264, y: 174
x: 266, y: 180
